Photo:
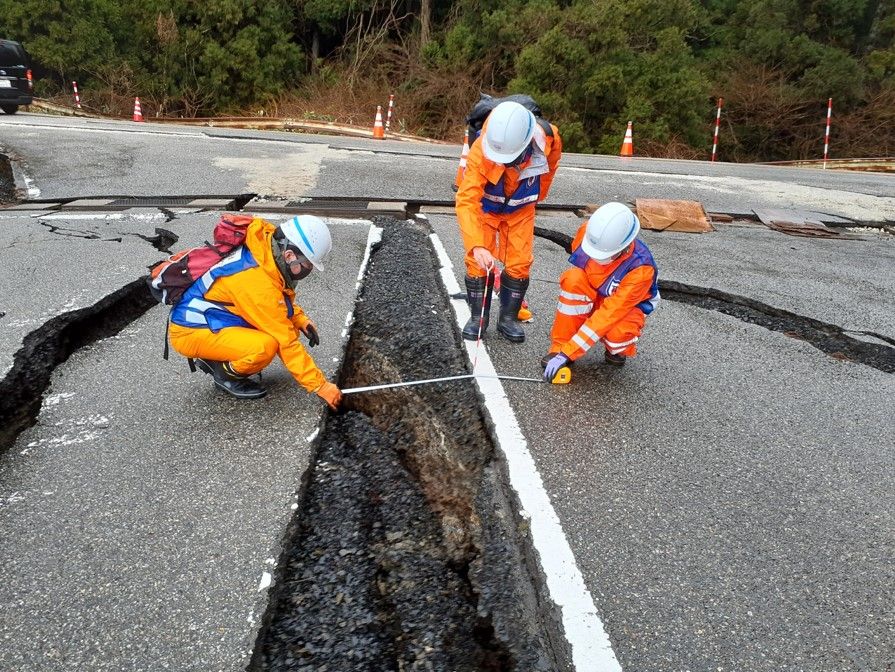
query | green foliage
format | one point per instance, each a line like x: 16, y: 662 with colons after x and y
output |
x: 180, y: 55
x: 649, y: 76
x: 592, y: 64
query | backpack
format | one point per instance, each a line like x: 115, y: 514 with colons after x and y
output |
x: 171, y: 277
x: 480, y: 111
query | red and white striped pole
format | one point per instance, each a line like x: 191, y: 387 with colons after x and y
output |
x: 717, y: 125
x: 827, y: 134
x: 388, y: 116
x: 77, y: 97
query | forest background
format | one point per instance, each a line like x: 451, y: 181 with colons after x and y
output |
x: 591, y: 64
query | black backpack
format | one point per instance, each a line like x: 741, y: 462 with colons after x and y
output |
x: 480, y: 111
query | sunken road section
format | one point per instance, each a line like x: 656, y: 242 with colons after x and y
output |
x: 405, y: 552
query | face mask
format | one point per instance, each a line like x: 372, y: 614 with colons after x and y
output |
x: 306, y: 269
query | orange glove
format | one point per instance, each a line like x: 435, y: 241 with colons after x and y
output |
x: 331, y: 394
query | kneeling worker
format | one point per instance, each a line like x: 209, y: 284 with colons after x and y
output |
x: 242, y: 312
x: 606, y: 295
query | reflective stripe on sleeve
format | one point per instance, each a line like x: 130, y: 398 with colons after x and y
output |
x: 585, y: 309
x: 581, y: 343
x: 563, y: 294
x: 590, y: 332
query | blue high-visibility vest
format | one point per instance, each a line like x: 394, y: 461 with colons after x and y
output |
x: 640, y: 257
x: 194, y: 310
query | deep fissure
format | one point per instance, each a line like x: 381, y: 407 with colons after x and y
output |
x: 404, y: 554
x: 7, y: 181
x: 21, y: 390
x: 828, y: 338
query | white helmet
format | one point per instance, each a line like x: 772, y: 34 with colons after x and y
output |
x: 310, y: 235
x: 509, y: 130
x: 609, y: 231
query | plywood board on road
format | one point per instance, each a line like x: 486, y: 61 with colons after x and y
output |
x: 680, y: 216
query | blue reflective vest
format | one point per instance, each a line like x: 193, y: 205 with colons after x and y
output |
x: 495, y: 202
x: 640, y: 257
x: 194, y: 310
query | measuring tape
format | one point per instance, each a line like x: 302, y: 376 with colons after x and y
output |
x: 562, y: 377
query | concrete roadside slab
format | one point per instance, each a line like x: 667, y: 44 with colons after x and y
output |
x: 142, y: 514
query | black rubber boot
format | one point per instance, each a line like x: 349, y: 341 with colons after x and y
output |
x: 614, y: 360
x: 476, y: 292
x: 241, y: 387
x: 512, y: 291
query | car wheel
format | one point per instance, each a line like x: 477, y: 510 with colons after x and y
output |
x: 9, y: 109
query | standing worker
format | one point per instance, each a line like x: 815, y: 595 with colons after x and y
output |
x: 606, y: 295
x: 242, y: 312
x: 509, y: 169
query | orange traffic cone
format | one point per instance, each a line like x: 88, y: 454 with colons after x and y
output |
x: 378, y: 128
x: 461, y: 169
x: 627, y: 143
x: 138, y: 112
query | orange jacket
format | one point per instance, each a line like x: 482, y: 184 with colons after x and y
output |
x: 259, y: 295
x: 480, y: 171
x: 635, y: 287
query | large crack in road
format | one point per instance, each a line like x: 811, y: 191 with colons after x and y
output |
x: 405, y: 554
x: 7, y: 181
x: 22, y: 388
x: 45, y: 348
x: 828, y: 338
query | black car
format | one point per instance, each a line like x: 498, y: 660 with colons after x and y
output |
x: 16, y: 84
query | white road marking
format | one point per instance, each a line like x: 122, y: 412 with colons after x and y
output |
x: 591, y: 648
x: 266, y: 580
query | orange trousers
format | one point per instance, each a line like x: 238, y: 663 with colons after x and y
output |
x: 510, y: 239
x: 621, y: 337
x: 247, y: 350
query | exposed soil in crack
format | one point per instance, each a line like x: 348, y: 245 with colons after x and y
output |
x: 7, y: 181
x: 405, y: 554
x: 21, y: 390
x: 828, y: 338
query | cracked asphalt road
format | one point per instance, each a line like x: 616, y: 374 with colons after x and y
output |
x: 727, y: 494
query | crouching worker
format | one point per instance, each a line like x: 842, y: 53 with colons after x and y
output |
x: 607, y: 294
x: 242, y: 312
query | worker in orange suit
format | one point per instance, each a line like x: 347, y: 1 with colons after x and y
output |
x: 242, y: 313
x: 608, y: 292
x: 509, y: 169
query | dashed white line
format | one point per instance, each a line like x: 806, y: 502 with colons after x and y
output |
x: 591, y: 648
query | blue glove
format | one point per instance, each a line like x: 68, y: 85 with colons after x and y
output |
x: 558, y: 361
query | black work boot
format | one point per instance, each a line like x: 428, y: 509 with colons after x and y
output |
x: 614, y: 360
x: 512, y: 291
x: 241, y: 387
x: 476, y: 292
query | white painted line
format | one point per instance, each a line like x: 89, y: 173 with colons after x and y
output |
x: 373, y: 237
x: 31, y: 187
x: 591, y: 648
